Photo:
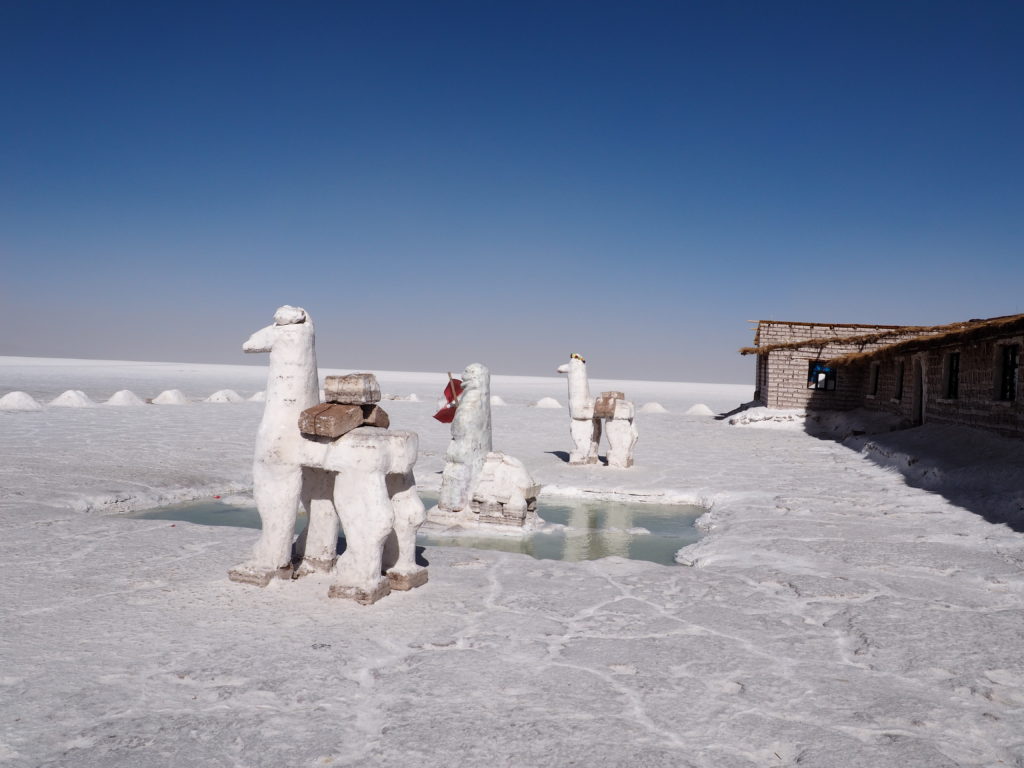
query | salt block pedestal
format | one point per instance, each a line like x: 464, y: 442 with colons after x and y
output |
x: 258, y: 577
x: 361, y: 595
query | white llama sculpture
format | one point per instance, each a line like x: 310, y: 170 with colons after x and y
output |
x: 362, y: 481
x: 471, y: 440
x: 479, y: 485
x: 585, y: 424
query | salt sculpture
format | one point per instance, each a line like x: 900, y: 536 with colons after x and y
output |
x: 586, y: 414
x: 361, y: 482
x: 478, y: 484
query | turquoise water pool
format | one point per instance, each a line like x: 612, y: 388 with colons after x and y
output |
x: 580, y: 530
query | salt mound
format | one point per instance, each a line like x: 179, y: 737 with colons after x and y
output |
x: 73, y: 398
x: 19, y: 401
x: 413, y: 398
x: 496, y: 400
x: 125, y: 397
x: 547, y: 402
x: 171, y: 397
x: 259, y: 397
x: 699, y: 410
x: 653, y: 408
x: 224, y: 396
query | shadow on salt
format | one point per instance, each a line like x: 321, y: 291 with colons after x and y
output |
x: 573, y: 529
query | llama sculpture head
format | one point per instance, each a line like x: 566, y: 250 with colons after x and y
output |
x: 581, y: 405
x: 290, y: 340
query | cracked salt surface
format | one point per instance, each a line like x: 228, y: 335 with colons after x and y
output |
x: 836, y: 617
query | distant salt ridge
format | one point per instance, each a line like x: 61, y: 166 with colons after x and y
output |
x: 225, y: 396
x: 125, y: 397
x: 497, y: 400
x: 73, y: 398
x: 410, y: 398
x: 259, y: 397
x: 547, y: 402
x: 19, y: 401
x: 699, y: 410
x: 171, y: 397
x: 653, y: 408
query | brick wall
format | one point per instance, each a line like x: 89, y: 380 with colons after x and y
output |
x: 782, y: 374
x: 977, y: 403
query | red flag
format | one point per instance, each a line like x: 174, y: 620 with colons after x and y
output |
x: 452, y: 391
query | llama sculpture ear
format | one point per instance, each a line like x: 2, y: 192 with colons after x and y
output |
x: 289, y: 315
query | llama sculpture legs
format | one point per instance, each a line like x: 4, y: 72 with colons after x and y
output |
x: 276, y: 490
x: 400, y: 546
x: 586, y: 434
x: 622, y: 437
x: 317, y: 546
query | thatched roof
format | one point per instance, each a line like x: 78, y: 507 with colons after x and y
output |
x: 865, y: 338
x: 971, y: 330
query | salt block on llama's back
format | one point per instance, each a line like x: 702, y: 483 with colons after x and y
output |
x: 604, y: 405
x: 375, y: 416
x: 353, y: 389
x: 330, y: 420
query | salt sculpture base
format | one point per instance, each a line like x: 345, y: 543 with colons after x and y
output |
x: 258, y: 577
x: 403, y: 582
x: 360, y: 595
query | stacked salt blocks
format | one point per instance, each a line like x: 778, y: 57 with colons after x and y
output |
x: 351, y: 403
x: 604, y: 406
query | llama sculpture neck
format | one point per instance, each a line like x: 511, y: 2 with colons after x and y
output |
x: 293, y: 383
x: 579, y: 390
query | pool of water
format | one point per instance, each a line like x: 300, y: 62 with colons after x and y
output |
x: 578, y: 529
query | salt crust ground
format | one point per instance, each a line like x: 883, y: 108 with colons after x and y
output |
x: 836, y: 617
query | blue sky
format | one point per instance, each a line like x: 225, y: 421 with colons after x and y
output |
x: 440, y: 183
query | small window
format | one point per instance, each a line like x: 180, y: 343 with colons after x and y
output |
x: 1009, y: 365
x: 820, y: 376
x: 900, y: 370
x: 952, y: 375
x: 875, y: 370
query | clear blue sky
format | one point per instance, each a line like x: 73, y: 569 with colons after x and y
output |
x: 446, y: 182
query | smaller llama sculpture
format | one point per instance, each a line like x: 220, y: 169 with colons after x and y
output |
x: 361, y: 482
x: 479, y: 485
x: 586, y: 414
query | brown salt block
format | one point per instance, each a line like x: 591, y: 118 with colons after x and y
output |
x: 330, y: 420
x: 258, y: 577
x: 614, y: 395
x: 375, y: 416
x: 406, y: 581
x: 361, y: 596
x: 604, y: 406
x: 353, y: 389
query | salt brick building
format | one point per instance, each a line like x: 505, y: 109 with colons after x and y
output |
x: 963, y: 373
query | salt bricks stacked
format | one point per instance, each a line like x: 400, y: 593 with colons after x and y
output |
x: 604, y: 406
x: 351, y: 402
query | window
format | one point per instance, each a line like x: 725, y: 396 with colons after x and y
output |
x: 900, y: 370
x: 820, y: 375
x: 1009, y: 365
x: 952, y: 368
x: 875, y: 370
